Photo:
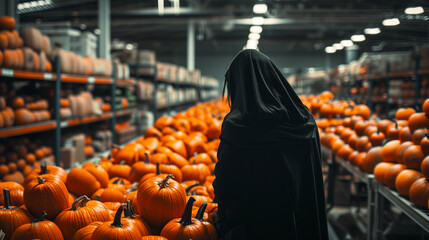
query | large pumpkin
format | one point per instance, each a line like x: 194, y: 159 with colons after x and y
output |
x: 418, y: 120
x: 44, y: 169
x: 185, y: 227
x: 371, y: 160
x: 380, y: 171
x: 160, y: 199
x: 130, y: 153
x: 399, y: 155
x: 46, y: 194
x: 413, y: 157
x: 11, y: 217
x: 39, y: 229
x: 391, y: 174
x: 116, y: 230
x: 80, y: 215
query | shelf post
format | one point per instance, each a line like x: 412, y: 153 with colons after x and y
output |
x: 104, y: 26
x: 113, y: 103
x: 387, y: 89
x: 417, y: 83
x: 155, y: 94
x: 57, y: 135
x: 191, y: 46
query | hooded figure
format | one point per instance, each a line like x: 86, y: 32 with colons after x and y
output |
x: 269, y: 181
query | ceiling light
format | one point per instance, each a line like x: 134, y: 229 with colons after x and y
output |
x: 255, y: 29
x: 372, y: 31
x: 391, y: 22
x: 254, y: 36
x: 160, y: 7
x: 414, y: 10
x: 347, y: 43
x: 330, y: 50
x: 129, y: 46
x: 358, y: 38
x: 252, y: 44
x: 260, y: 8
x: 258, y: 20
x: 338, y: 46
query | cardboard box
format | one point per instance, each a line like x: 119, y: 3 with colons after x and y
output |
x: 68, y: 156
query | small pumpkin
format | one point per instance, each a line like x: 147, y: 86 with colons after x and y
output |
x: 405, y: 179
x: 391, y: 174
x: 419, y: 193
x: 45, y: 169
x: 16, y: 193
x: 424, y: 144
x: 82, y: 182
x: 194, y: 171
x: 380, y: 171
x: 404, y: 113
x: 135, y: 220
x: 405, y: 135
x: 417, y: 121
x: 413, y: 157
x: 371, y: 160
x: 209, y: 227
x: 388, y: 151
x: 85, y: 233
x: 140, y: 169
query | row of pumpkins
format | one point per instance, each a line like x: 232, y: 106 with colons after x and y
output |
x: 395, y: 151
x: 159, y: 187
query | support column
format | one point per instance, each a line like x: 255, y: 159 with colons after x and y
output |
x: 8, y: 8
x: 104, y: 26
x: 352, y: 53
x: 191, y: 46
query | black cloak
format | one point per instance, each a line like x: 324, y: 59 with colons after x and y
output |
x: 269, y: 182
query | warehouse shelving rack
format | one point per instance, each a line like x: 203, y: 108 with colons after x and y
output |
x: 377, y: 194
x: 57, y: 124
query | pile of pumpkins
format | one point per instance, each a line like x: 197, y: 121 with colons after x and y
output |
x: 159, y: 187
x: 395, y: 151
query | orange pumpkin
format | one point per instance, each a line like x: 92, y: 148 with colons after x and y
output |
x: 404, y: 113
x: 380, y: 171
x: 417, y: 121
x: 405, y: 179
x: 419, y: 193
x: 371, y: 160
x: 413, y: 157
x: 388, y: 152
x: 391, y: 174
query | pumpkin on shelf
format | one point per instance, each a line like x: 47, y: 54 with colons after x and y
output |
x: 404, y: 113
x: 380, y: 171
x: 153, y: 132
x: 424, y: 144
x: 82, y: 182
x: 116, y: 230
x: 405, y: 179
x: 39, y: 229
x: 388, y: 151
x: 413, y: 157
x: 401, y: 150
x: 46, y: 193
x: 164, y: 122
x: 391, y: 174
x: 160, y: 199
x: 153, y: 237
x: 185, y: 227
x: 177, y: 159
x: 121, y: 170
x: 194, y: 171
x: 425, y: 167
x: 371, y: 160
x: 11, y: 217
x: 80, y: 215
x: 179, y: 147
x: 130, y: 153
x: 419, y: 193
x: 418, y: 121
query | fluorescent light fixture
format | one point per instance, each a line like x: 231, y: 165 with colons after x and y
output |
x: 254, y: 36
x: 358, y: 38
x: 129, y: 46
x: 372, y: 31
x: 391, y: 22
x: 260, y: 8
x: 255, y: 29
x: 252, y: 42
x: 414, y: 10
x: 330, y: 49
x: 176, y: 6
x: 160, y: 7
x: 258, y: 20
x: 33, y: 4
x: 338, y: 46
x: 347, y: 43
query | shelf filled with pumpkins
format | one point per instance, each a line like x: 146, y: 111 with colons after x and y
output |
x: 158, y: 187
x: 395, y: 150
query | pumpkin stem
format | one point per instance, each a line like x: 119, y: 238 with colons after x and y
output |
x: 7, y: 201
x: 41, y: 217
x: 97, y: 197
x: 127, y: 211
x: 43, y: 168
x: 76, y: 203
x: 201, y: 210
x: 164, y: 183
x: 41, y: 180
x: 187, y: 215
x: 157, y: 169
x: 147, y: 157
x: 191, y: 186
x: 117, y: 220
x: 118, y: 181
x: 132, y: 210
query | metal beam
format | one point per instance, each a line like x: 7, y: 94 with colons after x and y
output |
x: 191, y: 46
x: 104, y: 26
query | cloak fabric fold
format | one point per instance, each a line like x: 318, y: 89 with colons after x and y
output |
x: 269, y: 182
